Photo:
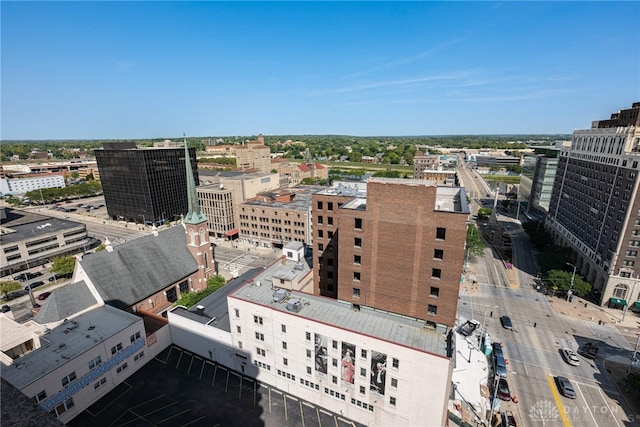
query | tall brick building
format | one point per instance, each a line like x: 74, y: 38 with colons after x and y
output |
x: 399, y: 248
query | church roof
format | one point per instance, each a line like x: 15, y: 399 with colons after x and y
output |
x: 139, y: 268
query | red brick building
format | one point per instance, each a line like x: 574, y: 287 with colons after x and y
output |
x: 399, y: 248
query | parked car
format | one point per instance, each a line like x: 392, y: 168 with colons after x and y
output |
x: 43, y: 296
x: 570, y: 356
x: 34, y: 285
x: 509, y: 420
x: 469, y: 327
x: 565, y: 387
x: 499, y: 366
x: 503, y: 389
x: 497, y: 349
x: 506, y: 322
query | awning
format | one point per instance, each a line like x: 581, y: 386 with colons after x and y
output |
x: 617, y: 301
x: 636, y: 304
x: 231, y: 232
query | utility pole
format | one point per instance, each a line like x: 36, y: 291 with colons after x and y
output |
x: 626, y: 307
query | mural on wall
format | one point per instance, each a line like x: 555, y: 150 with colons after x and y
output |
x: 321, y: 353
x: 348, y: 365
x: 378, y: 372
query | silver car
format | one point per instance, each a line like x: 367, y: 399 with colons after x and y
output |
x: 570, y: 356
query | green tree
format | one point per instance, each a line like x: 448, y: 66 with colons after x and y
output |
x: 559, y: 279
x: 90, y: 177
x: 189, y: 299
x: 63, y: 265
x: 7, y: 286
x: 75, y: 174
x: 475, y: 244
x: 484, y: 213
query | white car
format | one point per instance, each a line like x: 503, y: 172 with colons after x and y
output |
x: 570, y: 356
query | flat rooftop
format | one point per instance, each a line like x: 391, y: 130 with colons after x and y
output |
x: 301, y: 201
x: 25, y: 224
x: 67, y: 341
x: 366, y: 321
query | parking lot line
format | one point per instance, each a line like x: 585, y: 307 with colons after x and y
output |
x: 587, y: 406
x: 604, y: 399
x: 556, y: 398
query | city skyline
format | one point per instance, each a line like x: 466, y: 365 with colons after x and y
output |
x: 103, y: 70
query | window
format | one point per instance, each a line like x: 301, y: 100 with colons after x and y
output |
x: 334, y: 379
x: 238, y: 329
x: 95, y: 362
x: 330, y: 220
x: 308, y: 336
x: 40, y: 396
x: 320, y: 247
x: 237, y: 312
x: 321, y: 233
x: 320, y: 219
x: 436, y: 273
x: 138, y: 356
x: 116, y: 348
x: 240, y: 344
x: 441, y: 233
x: 63, y: 407
x: 432, y: 309
x: 330, y: 206
x: 363, y: 354
x: 172, y: 294
x: 438, y: 253
x: 395, y: 363
x: 309, y: 370
x: 260, y: 351
x: 330, y: 235
x: 631, y: 253
x: 356, y: 292
x: 102, y: 381
x: 362, y: 389
x: 356, y: 276
x: 357, y: 259
x: 363, y: 372
x: 69, y: 378
x: 334, y: 362
x: 135, y: 336
x: 122, y: 367
x: 434, y: 292
x: 394, y: 383
x: 308, y: 354
x: 258, y: 320
x: 284, y: 345
x: 283, y: 328
x: 334, y: 344
x: 392, y: 401
x: 357, y: 242
x: 285, y: 361
x: 319, y: 205
x: 358, y: 223
x: 259, y: 336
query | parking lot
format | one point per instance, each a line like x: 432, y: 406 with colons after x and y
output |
x: 179, y: 388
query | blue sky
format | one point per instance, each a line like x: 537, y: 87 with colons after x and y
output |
x: 92, y: 70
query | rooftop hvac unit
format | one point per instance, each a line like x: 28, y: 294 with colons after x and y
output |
x: 279, y: 295
x: 298, y: 266
x: 294, y: 305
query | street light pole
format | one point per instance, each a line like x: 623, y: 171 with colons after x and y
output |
x: 572, y: 278
x: 626, y: 307
x: 493, y: 401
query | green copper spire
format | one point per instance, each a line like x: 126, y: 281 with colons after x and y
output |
x: 194, y: 216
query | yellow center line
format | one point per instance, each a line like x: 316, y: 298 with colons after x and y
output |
x: 556, y: 397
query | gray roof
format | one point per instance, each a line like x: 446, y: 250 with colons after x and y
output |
x: 65, y: 302
x: 26, y: 224
x: 365, y: 321
x: 141, y: 267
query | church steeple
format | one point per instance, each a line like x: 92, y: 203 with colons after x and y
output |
x: 195, y: 215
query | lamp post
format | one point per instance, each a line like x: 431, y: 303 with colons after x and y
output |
x: 484, y: 319
x: 572, y: 279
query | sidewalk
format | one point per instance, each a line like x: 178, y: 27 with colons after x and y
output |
x: 585, y: 310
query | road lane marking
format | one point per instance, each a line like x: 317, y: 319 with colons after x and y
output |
x: 587, y: 406
x: 604, y: 399
x: 556, y: 398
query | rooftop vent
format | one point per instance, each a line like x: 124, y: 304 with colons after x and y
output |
x: 279, y: 295
x: 294, y: 305
x: 299, y: 266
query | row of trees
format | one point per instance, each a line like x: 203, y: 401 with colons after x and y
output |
x: 53, y: 195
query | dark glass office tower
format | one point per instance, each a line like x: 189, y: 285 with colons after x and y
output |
x: 144, y: 184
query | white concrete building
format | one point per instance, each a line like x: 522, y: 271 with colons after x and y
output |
x: 373, y: 367
x: 68, y: 366
x: 21, y: 185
